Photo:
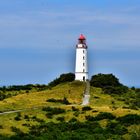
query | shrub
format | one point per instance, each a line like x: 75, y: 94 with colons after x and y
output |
x: 103, y: 80
x: 73, y: 120
x: 49, y: 115
x: 18, y: 117
x: 94, y: 111
x: 115, y: 90
x: 53, y: 100
x: 76, y: 113
x: 129, y: 119
x: 25, y: 124
x: 115, y: 128
x: 1, y: 127
x: 26, y: 117
x: 53, y: 111
x: 104, y: 115
x: 63, y: 101
x: 34, y: 117
x: 68, y: 77
x: 135, y: 136
x: 135, y: 103
x: 74, y: 108
x: 109, y: 83
x: 90, y: 118
x: 2, y: 96
x: 46, y: 109
x: 39, y: 120
x: 14, y: 129
x: 86, y: 108
x: 61, y: 119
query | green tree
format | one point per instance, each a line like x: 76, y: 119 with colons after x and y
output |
x: 109, y: 83
x: 104, y: 80
x: 68, y: 77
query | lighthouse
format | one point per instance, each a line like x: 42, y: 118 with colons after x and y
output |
x: 81, y: 66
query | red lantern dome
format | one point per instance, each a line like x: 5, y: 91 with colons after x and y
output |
x: 82, y: 37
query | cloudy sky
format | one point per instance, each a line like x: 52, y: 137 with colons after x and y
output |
x: 38, y: 38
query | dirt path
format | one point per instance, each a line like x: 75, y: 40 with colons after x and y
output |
x: 86, y: 94
x: 9, y: 112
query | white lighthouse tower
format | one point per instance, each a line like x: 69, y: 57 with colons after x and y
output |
x: 81, y: 67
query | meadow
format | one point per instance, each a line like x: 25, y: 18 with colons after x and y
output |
x: 42, y: 114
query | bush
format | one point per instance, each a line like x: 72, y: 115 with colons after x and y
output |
x: 47, y: 109
x: 72, y: 130
x: 109, y: 83
x: 129, y: 119
x: 101, y: 116
x: 26, y: 117
x: 73, y: 120
x: 61, y: 119
x: 115, y: 90
x: 18, y: 117
x: 49, y: 115
x: 135, y: 103
x: 2, y: 96
x: 90, y: 118
x: 76, y: 113
x: 39, y: 120
x: 105, y: 115
x: 135, y: 136
x: 1, y: 127
x: 115, y: 128
x: 53, y: 100
x: 86, y: 108
x: 34, y: 117
x: 63, y: 101
x: 53, y: 111
x: 103, y: 80
x: 74, y: 108
x: 68, y: 77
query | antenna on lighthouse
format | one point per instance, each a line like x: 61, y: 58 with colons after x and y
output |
x: 81, y: 66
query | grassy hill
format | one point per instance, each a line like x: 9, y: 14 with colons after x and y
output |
x: 57, y: 110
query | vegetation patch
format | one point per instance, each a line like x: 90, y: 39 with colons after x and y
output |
x: 109, y: 83
x: 129, y: 119
x: 72, y: 130
x: 96, y: 121
x: 86, y: 108
x: 68, y: 77
x: 62, y: 101
x: 18, y: 117
x: 100, y: 116
x: 115, y: 128
x: 53, y: 111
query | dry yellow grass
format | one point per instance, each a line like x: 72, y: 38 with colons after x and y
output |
x: 29, y: 100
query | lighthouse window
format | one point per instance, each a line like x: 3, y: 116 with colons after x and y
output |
x: 83, y: 64
x: 83, y: 70
x: 83, y: 78
x: 83, y: 58
x: 83, y: 51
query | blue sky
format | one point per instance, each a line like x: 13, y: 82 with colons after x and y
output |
x: 38, y: 38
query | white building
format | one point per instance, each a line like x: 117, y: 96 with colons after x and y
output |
x: 81, y: 67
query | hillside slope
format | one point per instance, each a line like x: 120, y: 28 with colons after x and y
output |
x: 62, y: 105
x: 72, y: 91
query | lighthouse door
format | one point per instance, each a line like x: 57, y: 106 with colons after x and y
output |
x: 83, y: 78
